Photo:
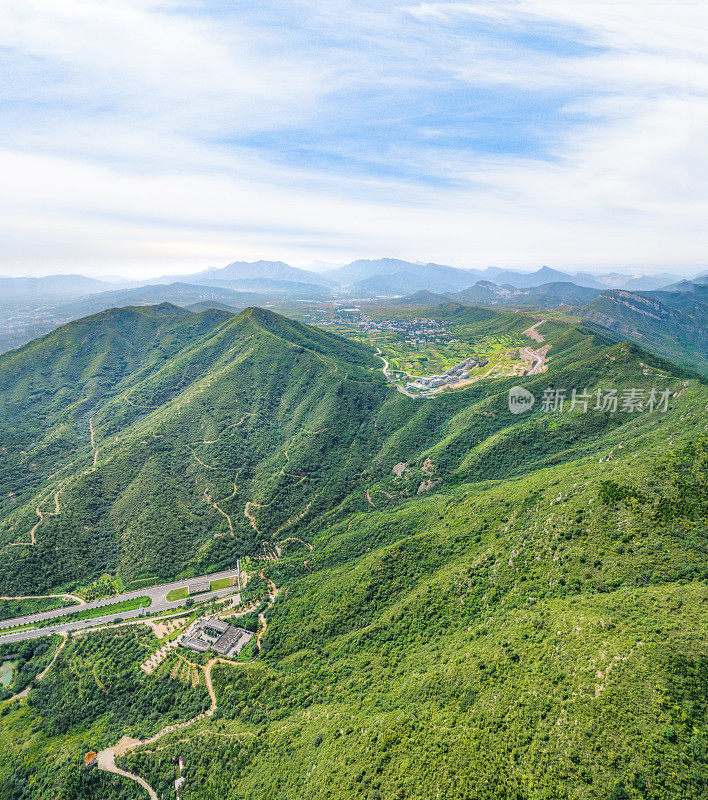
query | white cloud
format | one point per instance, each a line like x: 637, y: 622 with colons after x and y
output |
x: 136, y: 134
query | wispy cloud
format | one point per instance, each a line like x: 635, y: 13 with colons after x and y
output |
x: 143, y: 134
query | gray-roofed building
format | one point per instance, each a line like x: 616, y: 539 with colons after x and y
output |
x: 208, y: 633
x: 192, y: 643
x: 198, y: 586
x: 231, y: 641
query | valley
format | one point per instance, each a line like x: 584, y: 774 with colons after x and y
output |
x: 440, y: 592
x: 454, y: 346
x: 353, y: 400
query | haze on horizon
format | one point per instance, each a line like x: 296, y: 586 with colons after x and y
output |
x: 143, y: 138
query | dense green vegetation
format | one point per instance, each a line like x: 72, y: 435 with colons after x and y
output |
x: 672, y: 324
x: 94, y: 689
x: 494, y: 606
x: 96, y: 677
x: 19, y: 608
x: 500, y: 637
x: 259, y: 410
x: 29, y: 659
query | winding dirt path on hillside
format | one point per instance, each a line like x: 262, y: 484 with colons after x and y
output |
x: 274, y: 592
x: 296, y: 517
x: 41, y: 514
x: 249, y: 516
x: 301, y: 478
x: 106, y: 758
x: 41, y: 675
x: 368, y: 497
x: 215, y: 505
x: 107, y: 763
x: 136, y: 405
x: 223, y: 430
x: 95, y: 449
x: 295, y: 539
x: 206, y: 466
x: 62, y: 469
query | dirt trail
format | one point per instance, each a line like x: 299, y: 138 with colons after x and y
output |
x: 78, y: 599
x: 221, y: 511
x: 295, y: 539
x: 368, y: 497
x: 296, y: 517
x: 41, y: 675
x: 223, y: 430
x: 41, y: 514
x: 247, y: 513
x: 106, y: 758
x: 301, y: 478
x: 95, y: 449
x: 138, y: 405
x: 274, y: 592
x: 206, y: 466
x: 107, y: 763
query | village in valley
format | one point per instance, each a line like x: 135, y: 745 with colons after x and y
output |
x: 425, y: 355
x: 453, y: 375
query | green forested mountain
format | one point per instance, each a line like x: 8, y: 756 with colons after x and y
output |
x: 494, y: 606
x: 672, y: 324
x: 193, y: 418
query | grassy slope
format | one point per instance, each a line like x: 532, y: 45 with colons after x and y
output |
x: 500, y: 640
x: 217, y: 422
x: 523, y: 630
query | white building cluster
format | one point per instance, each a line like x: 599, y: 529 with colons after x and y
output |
x: 450, y: 376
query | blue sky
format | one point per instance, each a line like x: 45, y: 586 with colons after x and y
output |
x: 147, y: 137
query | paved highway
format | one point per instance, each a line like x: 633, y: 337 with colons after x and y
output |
x: 386, y: 370
x: 538, y: 360
x: 158, y: 595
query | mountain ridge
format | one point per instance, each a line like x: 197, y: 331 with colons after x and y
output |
x: 450, y: 579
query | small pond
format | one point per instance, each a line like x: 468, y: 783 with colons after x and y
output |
x: 6, y: 673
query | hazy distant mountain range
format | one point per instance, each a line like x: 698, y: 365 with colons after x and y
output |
x: 53, y: 286
x: 30, y: 307
x: 368, y: 277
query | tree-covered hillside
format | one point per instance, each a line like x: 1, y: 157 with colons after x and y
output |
x: 672, y: 324
x: 473, y: 604
x: 153, y: 441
